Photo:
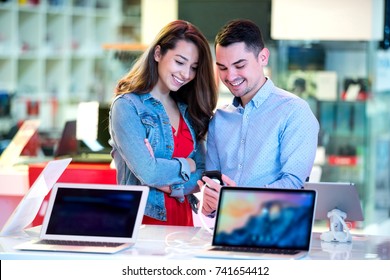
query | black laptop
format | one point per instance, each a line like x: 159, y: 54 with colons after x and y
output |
x: 78, y: 150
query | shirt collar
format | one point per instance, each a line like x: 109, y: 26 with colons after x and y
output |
x: 259, y: 98
x: 262, y: 93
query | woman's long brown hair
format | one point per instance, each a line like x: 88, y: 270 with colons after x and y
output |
x: 200, y: 94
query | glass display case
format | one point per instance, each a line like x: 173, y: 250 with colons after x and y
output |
x: 338, y: 79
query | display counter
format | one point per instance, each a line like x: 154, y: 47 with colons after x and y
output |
x: 175, y: 242
x: 13, y: 186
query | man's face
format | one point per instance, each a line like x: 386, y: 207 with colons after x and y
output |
x: 240, y: 70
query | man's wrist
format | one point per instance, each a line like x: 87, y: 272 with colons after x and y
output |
x: 212, y: 214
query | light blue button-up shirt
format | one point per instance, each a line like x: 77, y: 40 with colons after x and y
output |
x: 271, y: 142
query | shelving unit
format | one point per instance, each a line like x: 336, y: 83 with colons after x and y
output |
x: 130, y: 24
x: 51, y: 54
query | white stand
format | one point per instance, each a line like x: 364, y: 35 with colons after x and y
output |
x: 339, y: 231
x: 337, y: 250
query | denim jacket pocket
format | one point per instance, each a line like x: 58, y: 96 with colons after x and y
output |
x: 148, y: 120
x: 150, y: 124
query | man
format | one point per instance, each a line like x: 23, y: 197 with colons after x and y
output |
x: 267, y: 137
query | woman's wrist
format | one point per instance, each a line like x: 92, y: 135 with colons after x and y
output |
x: 166, y: 189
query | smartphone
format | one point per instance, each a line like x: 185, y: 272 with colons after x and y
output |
x: 214, y: 175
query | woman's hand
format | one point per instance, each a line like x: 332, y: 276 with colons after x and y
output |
x: 190, y: 161
x: 192, y: 164
x: 149, y: 147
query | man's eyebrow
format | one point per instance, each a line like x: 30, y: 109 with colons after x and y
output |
x: 239, y: 61
x: 234, y: 63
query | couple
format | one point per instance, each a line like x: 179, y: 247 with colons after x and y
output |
x: 162, y: 118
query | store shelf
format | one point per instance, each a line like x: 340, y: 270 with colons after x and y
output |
x: 48, y: 50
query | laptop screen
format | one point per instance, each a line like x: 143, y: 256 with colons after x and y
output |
x: 68, y: 144
x: 264, y: 218
x: 93, y: 211
x: 103, y: 133
x: 29, y: 206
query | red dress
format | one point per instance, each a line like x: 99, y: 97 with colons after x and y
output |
x: 178, y: 213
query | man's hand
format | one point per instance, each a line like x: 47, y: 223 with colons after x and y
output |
x: 211, y: 192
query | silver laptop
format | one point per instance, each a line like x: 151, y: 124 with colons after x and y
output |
x: 262, y: 223
x: 337, y: 195
x: 91, y: 218
x: 27, y: 209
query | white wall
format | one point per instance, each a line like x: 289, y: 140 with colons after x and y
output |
x: 155, y: 14
x: 327, y: 20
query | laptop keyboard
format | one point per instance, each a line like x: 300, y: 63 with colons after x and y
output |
x: 78, y: 243
x: 256, y: 250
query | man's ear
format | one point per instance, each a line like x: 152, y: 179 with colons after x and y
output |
x: 157, y: 53
x: 263, y: 56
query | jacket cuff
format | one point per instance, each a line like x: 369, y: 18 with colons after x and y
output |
x: 185, y: 170
x: 177, y: 191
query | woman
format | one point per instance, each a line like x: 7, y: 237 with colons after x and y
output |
x: 159, y: 120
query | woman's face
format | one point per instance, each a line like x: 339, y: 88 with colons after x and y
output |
x: 177, y: 66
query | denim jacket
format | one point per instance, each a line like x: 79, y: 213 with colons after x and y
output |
x: 135, y: 117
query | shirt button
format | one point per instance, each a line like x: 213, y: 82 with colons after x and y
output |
x: 240, y: 166
x: 242, y: 141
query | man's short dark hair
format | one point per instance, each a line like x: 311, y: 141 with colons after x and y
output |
x: 241, y: 30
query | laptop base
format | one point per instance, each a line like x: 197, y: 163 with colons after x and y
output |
x: 32, y: 246
x: 216, y: 254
